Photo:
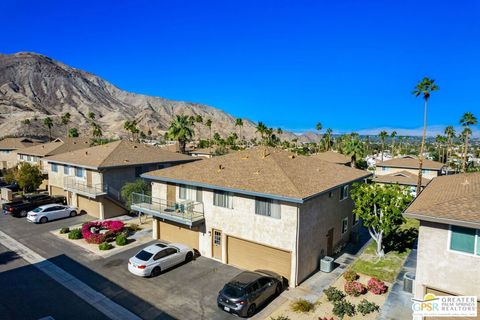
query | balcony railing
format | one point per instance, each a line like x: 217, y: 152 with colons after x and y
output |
x: 186, y: 212
x: 81, y: 187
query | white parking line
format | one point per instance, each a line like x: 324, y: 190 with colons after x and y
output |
x: 100, y: 302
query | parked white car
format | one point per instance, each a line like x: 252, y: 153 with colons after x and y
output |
x: 154, y: 259
x: 51, y: 212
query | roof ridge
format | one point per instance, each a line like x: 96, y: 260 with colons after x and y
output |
x: 119, y: 142
x: 285, y: 173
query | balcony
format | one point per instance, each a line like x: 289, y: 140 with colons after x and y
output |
x: 186, y: 212
x: 81, y: 187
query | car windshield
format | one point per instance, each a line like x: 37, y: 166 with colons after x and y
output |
x: 233, y: 291
x: 144, y: 255
x: 37, y: 210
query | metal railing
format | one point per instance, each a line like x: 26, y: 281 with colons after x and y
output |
x: 185, y: 212
x: 77, y: 186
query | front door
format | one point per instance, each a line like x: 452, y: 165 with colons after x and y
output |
x: 330, y: 242
x: 217, y: 244
x: 89, y: 178
x: 171, y: 194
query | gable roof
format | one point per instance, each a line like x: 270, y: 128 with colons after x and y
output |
x: 57, y: 146
x: 410, y: 162
x: 453, y: 199
x: 263, y: 171
x: 117, y: 154
x: 17, y: 143
x: 401, y: 177
x: 333, y: 157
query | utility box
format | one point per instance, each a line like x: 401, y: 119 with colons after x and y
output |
x: 326, y: 264
x: 408, y: 282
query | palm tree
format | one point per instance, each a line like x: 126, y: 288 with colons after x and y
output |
x: 354, y: 148
x: 327, y: 137
x: 73, y: 133
x: 96, y: 130
x: 91, y: 116
x: 450, y: 133
x: 467, y: 120
x: 181, y: 129
x: 383, y: 134
x: 208, y: 123
x: 198, y: 119
x: 48, y: 122
x: 239, y: 123
x: 425, y: 87
x: 393, y: 135
x: 65, y: 120
x: 262, y: 129
x: 439, y: 139
x: 319, y: 128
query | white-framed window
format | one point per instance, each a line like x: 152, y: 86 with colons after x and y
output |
x: 464, y: 240
x: 190, y: 193
x: 223, y: 199
x: 344, y: 191
x: 79, y: 172
x: 54, y: 167
x: 66, y: 170
x: 344, y: 225
x: 268, y: 207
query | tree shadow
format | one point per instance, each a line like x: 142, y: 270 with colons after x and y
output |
x: 8, y: 256
x: 401, y: 240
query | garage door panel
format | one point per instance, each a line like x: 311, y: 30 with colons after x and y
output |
x: 443, y: 293
x: 249, y: 255
x: 174, y: 233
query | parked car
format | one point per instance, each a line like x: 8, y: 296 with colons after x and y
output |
x: 30, y: 202
x: 50, y: 212
x: 154, y: 259
x: 12, y: 186
x: 248, y: 291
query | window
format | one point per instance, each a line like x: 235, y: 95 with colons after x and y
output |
x: 223, y: 199
x: 465, y: 240
x: 267, y: 207
x: 79, y: 172
x: 66, y: 170
x: 217, y: 238
x: 190, y: 193
x: 344, y: 192
x: 344, y: 225
x: 54, y: 167
x: 182, y: 191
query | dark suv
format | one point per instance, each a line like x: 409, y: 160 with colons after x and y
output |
x: 248, y: 291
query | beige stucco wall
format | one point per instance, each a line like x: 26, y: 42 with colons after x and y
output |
x: 441, y: 269
x: 429, y: 174
x: 8, y: 159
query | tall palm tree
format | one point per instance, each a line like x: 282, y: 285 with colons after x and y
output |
x: 199, y: 119
x: 91, y: 116
x: 383, y: 134
x: 239, y: 123
x: 424, y: 88
x: 327, y: 137
x: 439, y: 143
x: 208, y: 123
x: 354, y: 148
x: 181, y: 129
x: 65, y: 120
x: 48, y: 122
x: 450, y: 133
x: 467, y: 120
x: 262, y: 129
x: 319, y: 128
x: 393, y: 135
x: 96, y: 130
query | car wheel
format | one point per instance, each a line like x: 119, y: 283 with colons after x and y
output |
x: 155, y: 272
x: 23, y: 213
x: 251, y: 310
x: 73, y: 213
x: 189, y: 257
x: 278, y: 290
x: 43, y: 220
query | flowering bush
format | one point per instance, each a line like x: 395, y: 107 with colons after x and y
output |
x: 350, y: 275
x: 98, y: 231
x: 354, y: 288
x: 377, y: 286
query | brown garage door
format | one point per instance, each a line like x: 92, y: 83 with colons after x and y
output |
x: 249, y: 255
x: 175, y: 233
x: 443, y: 293
x: 91, y: 207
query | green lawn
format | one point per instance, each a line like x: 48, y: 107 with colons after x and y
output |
x: 387, y: 268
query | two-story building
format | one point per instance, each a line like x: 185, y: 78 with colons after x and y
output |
x: 448, y: 255
x: 8, y: 146
x: 92, y: 178
x: 261, y: 208
x: 430, y: 168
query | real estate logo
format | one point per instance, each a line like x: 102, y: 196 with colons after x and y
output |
x: 444, y: 306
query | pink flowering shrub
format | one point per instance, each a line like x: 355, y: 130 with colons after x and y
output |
x: 354, y: 288
x: 91, y: 231
x: 377, y: 286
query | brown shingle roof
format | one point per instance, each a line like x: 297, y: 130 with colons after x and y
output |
x: 453, y: 199
x: 410, y: 162
x: 280, y: 173
x: 17, y: 143
x: 118, y: 153
x: 401, y: 177
x: 57, y: 146
x: 333, y: 157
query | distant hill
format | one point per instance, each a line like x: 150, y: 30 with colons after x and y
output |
x: 33, y: 86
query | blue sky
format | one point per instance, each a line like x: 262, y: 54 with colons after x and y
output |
x: 348, y: 64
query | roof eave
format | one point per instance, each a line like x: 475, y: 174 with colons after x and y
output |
x: 462, y: 223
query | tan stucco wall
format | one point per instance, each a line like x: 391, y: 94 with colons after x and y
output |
x: 57, y: 178
x: 430, y: 174
x: 8, y: 160
x: 111, y: 209
x: 441, y: 269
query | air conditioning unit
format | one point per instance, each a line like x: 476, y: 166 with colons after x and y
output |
x: 326, y: 264
x: 408, y: 282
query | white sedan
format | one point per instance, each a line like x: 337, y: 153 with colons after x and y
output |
x: 154, y: 259
x: 50, y: 212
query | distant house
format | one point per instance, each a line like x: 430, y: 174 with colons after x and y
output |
x: 448, y: 255
x: 261, y: 208
x: 8, y: 146
x: 203, y: 152
x: 91, y: 178
x: 430, y: 169
x: 403, y: 178
x: 333, y: 157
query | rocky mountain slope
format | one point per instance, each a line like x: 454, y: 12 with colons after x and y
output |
x: 33, y: 86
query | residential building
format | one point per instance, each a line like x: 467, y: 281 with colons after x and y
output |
x: 91, y: 178
x: 403, y: 178
x: 448, y: 255
x: 430, y: 169
x: 261, y: 208
x: 8, y: 146
x: 334, y: 157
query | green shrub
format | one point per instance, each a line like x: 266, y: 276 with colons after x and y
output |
x: 133, y: 227
x: 350, y: 275
x: 64, y: 230
x: 342, y: 308
x: 282, y: 317
x: 105, y: 246
x: 121, y: 240
x: 302, y: 305
x: 333, y: 294
x: 75, y: 234
x: 366, y: 307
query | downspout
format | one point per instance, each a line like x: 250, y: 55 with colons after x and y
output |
x: 296, y: 245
